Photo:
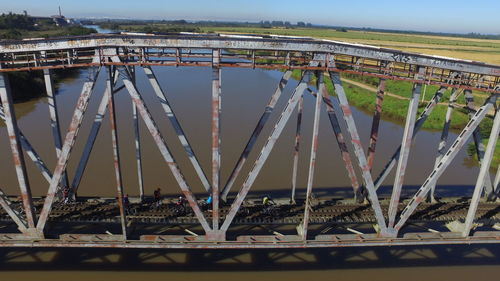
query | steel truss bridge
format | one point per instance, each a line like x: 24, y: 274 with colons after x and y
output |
x: 368, y: 219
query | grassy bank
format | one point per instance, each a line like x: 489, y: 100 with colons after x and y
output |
x: 395, y: 109
x: 485, y: 50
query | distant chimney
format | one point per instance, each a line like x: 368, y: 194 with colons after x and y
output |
x: 60, y: 14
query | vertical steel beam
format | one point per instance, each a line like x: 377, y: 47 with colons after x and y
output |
x: 314, y: 149
x: 478, y: 142
x: 138, y: 156
x: 16, y: 217
x: 266, y: 150
x: 358, y: 149
x: 405, y: 147
x: 256, y: 132
x: 54, y: 118
x: 116, y: 151
x: 62, y: 162
x: 418, y: 125
x: 375, y: 122
x: 162, y: 97
x: 444, y: 137
x: 15, y: 146
x: 216, y: 109
x: 137, y: 139
x: 445, y: 161
x: 162, y: 145
x: 94, y: 131
x: 483, y: 174
x: 300, y: 109
x: 346, y: 157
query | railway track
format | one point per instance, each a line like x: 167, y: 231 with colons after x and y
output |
x: 325, y: 212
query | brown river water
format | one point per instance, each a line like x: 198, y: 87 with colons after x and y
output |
x: 244, y: 95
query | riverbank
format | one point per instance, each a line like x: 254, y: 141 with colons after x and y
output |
x: 395, y: 106
x: 28, y: 85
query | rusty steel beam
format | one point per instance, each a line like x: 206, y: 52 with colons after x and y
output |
x: 445, y: 161
x: 405, y: 148
x: 483, y: 174
x: 89, y: 144
x: 314, y: 147
x: 358, y: 150
x: 31, y: 152
x: 439, y: 82
x: 375, y: 123
x: 17, y: 152
x: 266, y: 150
x: 344, y: 151
x: 14, y: 215
x: 418, y: 125
x: 357, y: 241
x: 162, y: 97
x: 300, y: 109
x: 444, y: 137
x: 138, y: 156
x: 162, y: 145
x: 116, y: 150
x: 54, y: 120
x: 137, y: 137
x: 478, y: 143
x: 62, y: 162
x: 216, y: 110
x: 207, y: 41
x: 256, y: 133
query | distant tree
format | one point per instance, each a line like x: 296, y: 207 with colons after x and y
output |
x: 265, y: 24
x: 301, y: 24
x: 277, y: 23
x: 308, y: 24
x: 16, y: 21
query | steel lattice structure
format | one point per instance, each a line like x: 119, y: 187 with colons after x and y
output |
x: 120, y: 54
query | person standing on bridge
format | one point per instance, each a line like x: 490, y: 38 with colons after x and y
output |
x: 126, y: 204
x: 157, y: 197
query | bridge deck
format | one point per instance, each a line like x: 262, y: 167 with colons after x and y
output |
x: 334, y: 222
x: 331, y: 210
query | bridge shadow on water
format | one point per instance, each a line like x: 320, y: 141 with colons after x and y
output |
x: 139, y: 260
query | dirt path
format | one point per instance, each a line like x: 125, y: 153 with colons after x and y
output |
x: 373, y: 89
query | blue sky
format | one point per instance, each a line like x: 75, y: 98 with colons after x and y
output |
x: 461, y: 16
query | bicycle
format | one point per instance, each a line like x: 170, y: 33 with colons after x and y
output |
x: 271, y: 211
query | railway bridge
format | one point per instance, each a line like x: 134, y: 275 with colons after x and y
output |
x: 236, y: 218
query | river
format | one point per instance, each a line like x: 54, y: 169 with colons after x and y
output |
x: 244, y: 95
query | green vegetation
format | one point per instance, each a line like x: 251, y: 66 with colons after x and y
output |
x: 16, y: 26
x: 395, y: 109
x: 160, y: 28
x: 28, y: 85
